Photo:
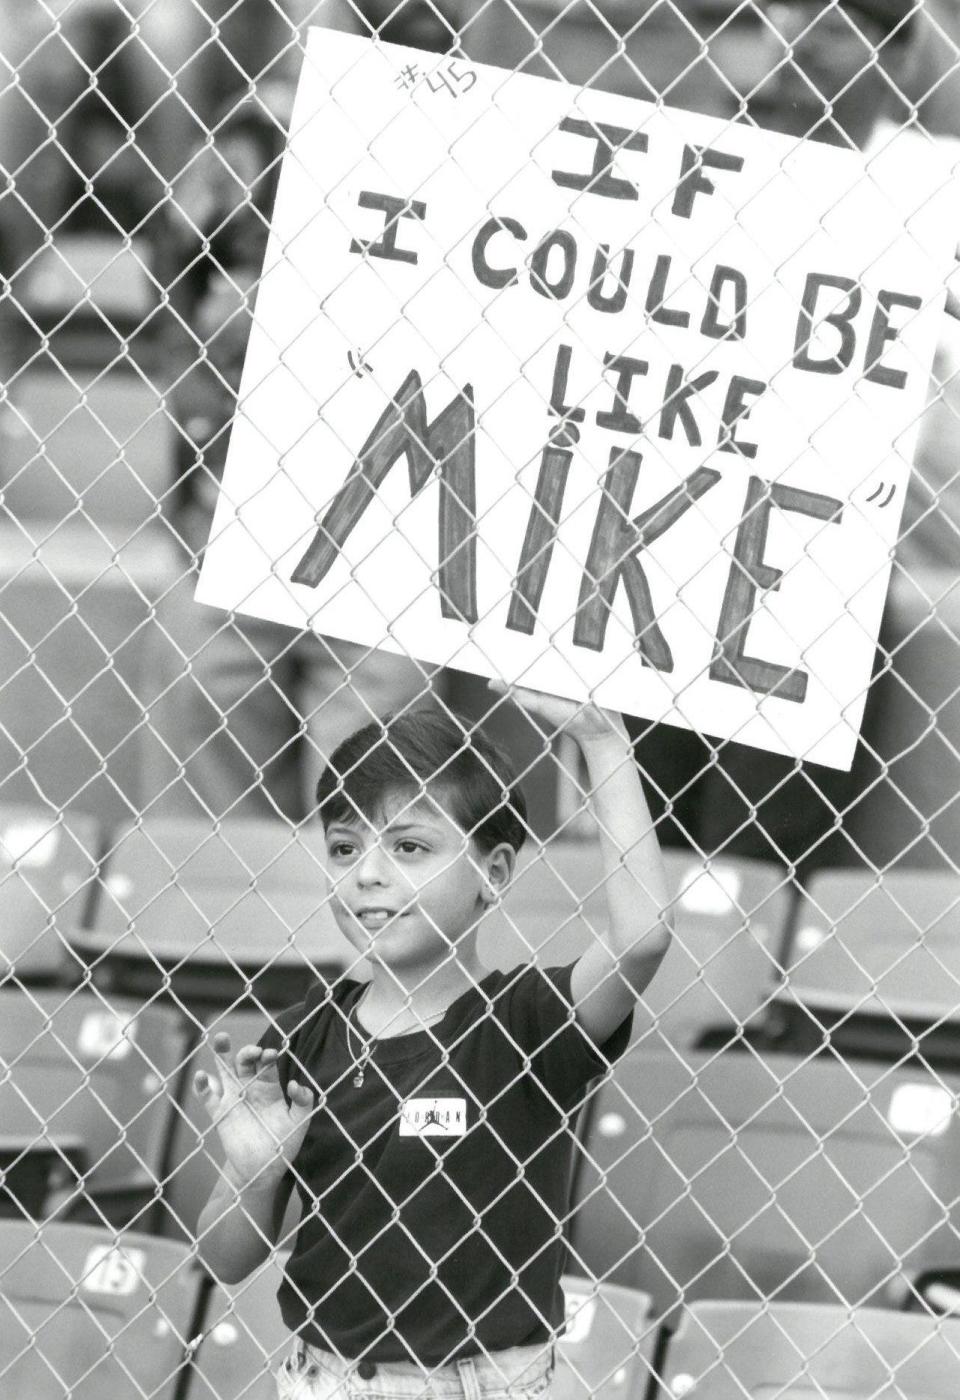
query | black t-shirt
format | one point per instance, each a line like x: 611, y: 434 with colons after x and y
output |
x: 435, y: 1195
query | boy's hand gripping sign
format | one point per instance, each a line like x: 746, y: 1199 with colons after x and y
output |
x: 602, y: 398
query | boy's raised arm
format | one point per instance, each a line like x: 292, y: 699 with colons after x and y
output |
x: 613, y: 972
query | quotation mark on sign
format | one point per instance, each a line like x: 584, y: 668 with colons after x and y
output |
x: 886, y: 500
x: 361, y: 368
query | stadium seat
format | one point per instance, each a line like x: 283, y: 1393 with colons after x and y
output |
x: 732, y: 1351
x: 47, y: 883
x: 92, y: 272
x: 214, y: 908
x: 244, y: 1340
x: 74, y: 615
x: 876, y: 960
x: 553, y: 906
x: 724, y: 961
x: 722, y: 966
x: 88, y: 1315
x: 792, y: 1179
x: 77, y: 1071
x: 90, y: 293
x: 606, y: 1353
x: 607, y: 1350
x: 100, y: 439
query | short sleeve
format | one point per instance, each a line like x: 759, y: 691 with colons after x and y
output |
x: 281, y: 1030
x: 540, y: 1017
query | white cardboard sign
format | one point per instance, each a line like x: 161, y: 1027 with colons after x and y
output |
x: 603, y: 398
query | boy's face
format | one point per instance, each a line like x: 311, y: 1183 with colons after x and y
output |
x: 408, y: 887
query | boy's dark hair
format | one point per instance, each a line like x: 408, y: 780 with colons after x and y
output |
x: 406, y: 752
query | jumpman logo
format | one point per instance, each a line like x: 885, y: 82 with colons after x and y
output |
x: 433, y: 1117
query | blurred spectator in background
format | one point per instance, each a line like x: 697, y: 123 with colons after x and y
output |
x: 104, y: 104
x: 655, y: 51
x: 249, y: 709
x: 839, y: 72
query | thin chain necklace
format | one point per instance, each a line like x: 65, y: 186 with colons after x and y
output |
x: 361, y: 1061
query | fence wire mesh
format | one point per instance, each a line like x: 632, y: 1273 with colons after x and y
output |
x: 756, y: 1195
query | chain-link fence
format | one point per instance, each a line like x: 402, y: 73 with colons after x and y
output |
x: 748, y: 1185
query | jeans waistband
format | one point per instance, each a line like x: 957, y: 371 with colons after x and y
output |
x: 472, y: 1377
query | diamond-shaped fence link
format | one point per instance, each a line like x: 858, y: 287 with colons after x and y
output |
x: 279, y: 1111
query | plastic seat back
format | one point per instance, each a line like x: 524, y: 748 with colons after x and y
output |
x: 104, y: 1074
x: 798, y: 1351
x: 214, y: 908
x: 606, y: 1352
x: 73, y: 640
x: 146, y: 860
x: 86, y: 1315
x: 102, y: 438
x: 722, y: 965
x: 734, y: 1177
x: 244, y: 1340
x: 869, y: 953
x: 47, y: 880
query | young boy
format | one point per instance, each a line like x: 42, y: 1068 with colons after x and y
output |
x: 426, y: 1116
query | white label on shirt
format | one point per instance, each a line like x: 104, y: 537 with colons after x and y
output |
x: 433, y: 1118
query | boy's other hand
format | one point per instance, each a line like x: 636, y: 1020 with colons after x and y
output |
x: 586, y: 722
x: 260, y: 1131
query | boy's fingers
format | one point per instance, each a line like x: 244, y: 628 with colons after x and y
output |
x: 207, y: 1088
x: 301, y: 1099
x: 521, y: 695
x: 248, y: 1062
x: 221, y: 1045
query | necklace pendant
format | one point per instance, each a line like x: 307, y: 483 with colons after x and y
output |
x: 358, y: 1079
